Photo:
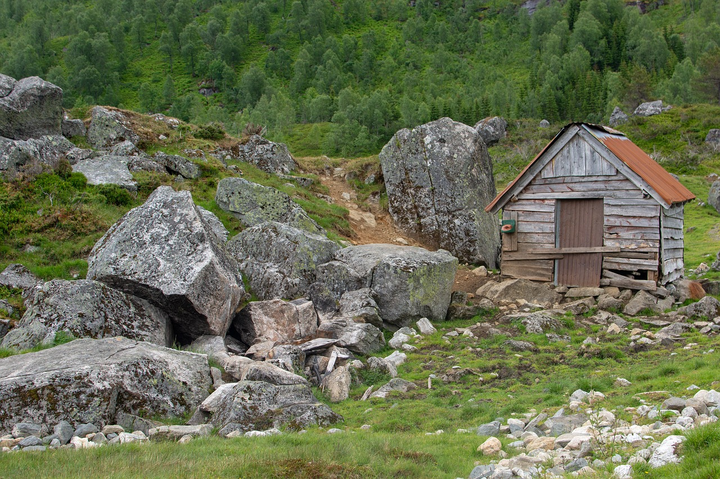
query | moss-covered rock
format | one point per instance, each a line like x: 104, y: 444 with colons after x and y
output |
x: 254, y: 204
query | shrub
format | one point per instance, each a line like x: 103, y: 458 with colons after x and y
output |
x: 211, y: 131
x: 115, y: 195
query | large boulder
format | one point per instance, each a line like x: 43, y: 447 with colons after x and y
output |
x: 266, y: 155
x: 87, y: 309
x: 278, y: 260
x: 258, y: 405
x: 107, y: 170
x: 275, y: 320
x: 164, y: 251
x: 618, y: 117
x: 439, y: 179
x: 96, y: 380
x: 109, y: 127
x: 254, y: 204
x: 651, y: 108
x: 409, y: 283
x: 22, y: 155
x: 491, y: 129
x: 30, y: 109
x: 714, y: 195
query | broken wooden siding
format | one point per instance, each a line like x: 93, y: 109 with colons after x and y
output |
x: 672, y: 243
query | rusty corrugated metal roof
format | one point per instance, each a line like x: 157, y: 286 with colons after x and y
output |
x: 669, y: 189
x: 664, y: 184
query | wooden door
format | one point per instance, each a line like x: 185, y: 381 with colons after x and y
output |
x: 580, y: 224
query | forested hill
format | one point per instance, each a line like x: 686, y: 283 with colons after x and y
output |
x: 358, y: 70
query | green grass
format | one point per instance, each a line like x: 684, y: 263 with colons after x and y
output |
x: 312, y: 455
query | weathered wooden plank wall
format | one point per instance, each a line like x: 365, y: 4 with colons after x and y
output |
x: 632, y: 219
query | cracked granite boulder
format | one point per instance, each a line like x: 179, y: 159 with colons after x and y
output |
x: 96, y: 380
x: 278, y: 260
x: 87, y: 309
x: 29, y: 108
x: 439, y: 179
x: 165, y: 251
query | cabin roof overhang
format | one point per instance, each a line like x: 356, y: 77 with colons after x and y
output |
x: 614, y: 147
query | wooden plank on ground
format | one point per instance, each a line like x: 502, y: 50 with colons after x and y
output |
x: 627, y: 283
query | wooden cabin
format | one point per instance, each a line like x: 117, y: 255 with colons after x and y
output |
x: 593, y: 209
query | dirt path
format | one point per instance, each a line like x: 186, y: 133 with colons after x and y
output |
x: 374, y: 226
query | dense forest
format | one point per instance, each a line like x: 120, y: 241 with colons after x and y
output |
x: 359, y: 70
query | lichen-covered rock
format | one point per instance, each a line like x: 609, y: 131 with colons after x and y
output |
x: 164, y: 251
x: 439, y: 179
x: 714, y: 195
x: 275, y: 320
x: 278, y: 260
x: 23, y: 155
x: 618, y: 117
x: 144, y: 163
x: 17, y: 276
x: 707, y: 308
x: 257, y: 405
x: 95, y: 380
x: 651, y: 108
x: 87, y: 309
x: 108, y: 128
x: 107, y: 170
x: 254, y: 204
x: 408, y: 282
x: 6, y: 85
x: 178, y: 165
x: 71, y: 128
x: 713, y: 136
x: 266, y: 155
x: 491, y: 129
x: 31, y: 109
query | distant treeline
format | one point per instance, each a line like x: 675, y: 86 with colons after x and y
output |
x: 367, y: 67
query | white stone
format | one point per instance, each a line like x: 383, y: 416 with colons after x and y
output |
x: 689, y: 412
x: 396, y: 358
x: 665, y: 453
x: 623, y: 472
x: 398, y: 340
x: 426, y: 327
